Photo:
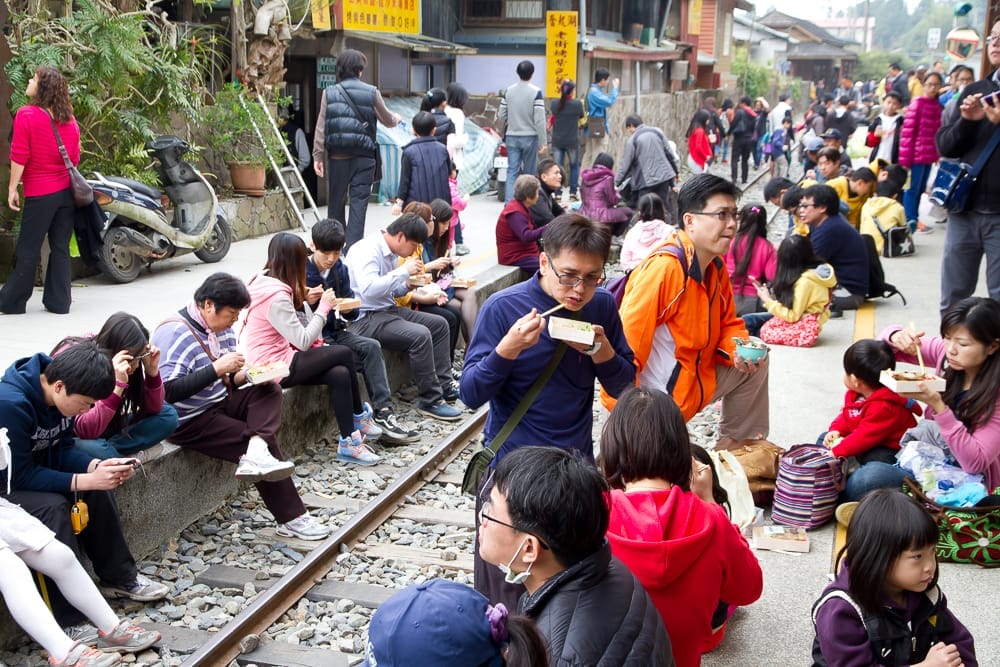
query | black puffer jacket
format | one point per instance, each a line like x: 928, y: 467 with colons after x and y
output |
x: 597, y: 613
x: 443, y: 126
x: 346, y: 133
x: 965, y: 139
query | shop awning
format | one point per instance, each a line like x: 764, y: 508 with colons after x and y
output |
x: 418, y: 43
x: 605, y: 47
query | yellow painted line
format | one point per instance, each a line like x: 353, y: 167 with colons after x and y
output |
x: 864, y: 327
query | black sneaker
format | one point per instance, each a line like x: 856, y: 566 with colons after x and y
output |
x: 440, y: 410
x: 450, y: 392
x: 392, y: 430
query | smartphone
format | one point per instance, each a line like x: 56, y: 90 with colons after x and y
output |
x: 991, y: 99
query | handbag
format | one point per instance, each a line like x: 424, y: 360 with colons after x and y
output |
x: 955, y: 178
x: 897, y: 240
x: 802, y: 333
x: 809, y: 481
x: 83, y: 194
x: 597, y: 128
x: 481, y: 460
x: 760, y: 460
x: 733, y: 479
x: 965, y: 534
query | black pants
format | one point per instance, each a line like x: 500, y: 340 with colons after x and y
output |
x: 742, y: 148
x: 454, y: 316
x: 48, y: 215
x: 332, y: 365
x: 355, y: 176
x: 102, y: 540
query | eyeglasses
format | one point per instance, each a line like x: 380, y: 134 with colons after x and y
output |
x: 802, y: 206
x: 992, y: 38
x: 723, y: 214
x: 571, y: 280
x: 483, y: 516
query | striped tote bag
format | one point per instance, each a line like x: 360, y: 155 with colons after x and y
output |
x: 809, y: 481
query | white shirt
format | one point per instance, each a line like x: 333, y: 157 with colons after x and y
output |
x: 889, y: 129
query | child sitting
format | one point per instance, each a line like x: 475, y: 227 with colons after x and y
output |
x: 884, y: 208
x: 751, y: 257
x: 647, y: 234
x: 874, y: 417
x: 423, y: 167
x: 600, y: 198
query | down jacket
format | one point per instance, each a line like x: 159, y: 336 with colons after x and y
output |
x: 596, y: 613
x: 920, y: 126
x: 598, y: 195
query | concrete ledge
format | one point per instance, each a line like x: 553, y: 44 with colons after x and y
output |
x: 181, y: 486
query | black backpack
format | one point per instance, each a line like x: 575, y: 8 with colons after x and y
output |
x: 878, y: 288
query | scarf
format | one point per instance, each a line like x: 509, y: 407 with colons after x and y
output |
x: 213, y: 340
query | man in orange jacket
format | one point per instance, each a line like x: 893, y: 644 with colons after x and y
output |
x: 680, y: 320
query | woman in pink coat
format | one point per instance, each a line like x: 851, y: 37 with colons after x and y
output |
x: 917, y: 150
x: 599, y: 196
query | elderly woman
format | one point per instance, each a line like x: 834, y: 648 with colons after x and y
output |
x: 49, y: 210
x: 517, y: 237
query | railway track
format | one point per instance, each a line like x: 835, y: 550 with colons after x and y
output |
x: 240, y: 638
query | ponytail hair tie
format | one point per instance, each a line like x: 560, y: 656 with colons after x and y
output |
x: 497, y: 616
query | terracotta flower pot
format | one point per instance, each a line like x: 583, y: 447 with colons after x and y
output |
x: 248, y: 178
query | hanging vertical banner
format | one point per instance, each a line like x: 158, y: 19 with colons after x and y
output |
x: 561, y: 29
x: 694, y: 17
x: 321, y: 14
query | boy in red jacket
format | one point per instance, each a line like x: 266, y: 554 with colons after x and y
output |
x: 874, y: 417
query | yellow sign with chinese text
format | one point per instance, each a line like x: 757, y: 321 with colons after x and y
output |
x: 561, y: 30
x: 398, y: 16
x: 694, y: 17
x: 320, y: 14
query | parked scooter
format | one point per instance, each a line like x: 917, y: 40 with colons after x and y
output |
x: 138, y: 231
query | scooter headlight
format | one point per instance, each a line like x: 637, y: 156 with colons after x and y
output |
x: 102, y: 198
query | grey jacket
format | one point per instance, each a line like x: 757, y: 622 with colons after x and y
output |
x: 647, y: 159
x: 523, y: 110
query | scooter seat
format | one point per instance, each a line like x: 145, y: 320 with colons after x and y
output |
x: 137, y: 186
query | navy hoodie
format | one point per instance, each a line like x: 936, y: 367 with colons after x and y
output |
x: 339, y: 280
x: 41, y: 438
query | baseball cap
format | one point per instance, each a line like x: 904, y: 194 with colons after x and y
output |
x: 441, y: 623
x: 833, y: 133
x: 814, y: 144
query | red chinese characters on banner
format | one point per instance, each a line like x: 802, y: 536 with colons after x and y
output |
x: 560, y: 49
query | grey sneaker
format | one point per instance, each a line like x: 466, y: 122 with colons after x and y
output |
x: 440, y: 410
x: 83, y: 656
x: 82, y: 634
x: 142, y: 589
x: 127, y: 637
x: 304, y: 527
x: 268, y: 469
x: 392, y: 430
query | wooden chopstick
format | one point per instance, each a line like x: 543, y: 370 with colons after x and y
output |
x: 552, y: 310
x: 920, y: 357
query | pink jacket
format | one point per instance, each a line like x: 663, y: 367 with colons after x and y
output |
x: 976, y: 451
x: 916, y: 139
x: 763, y: 265
x: 458, y: 202
x: 272, y: 330
x: 597, y: 193
x: 641, y: 240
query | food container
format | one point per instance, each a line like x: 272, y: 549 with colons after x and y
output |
x: 574, y: 331
x: 907, y: 382
x: 347, y: 304
x: 276, y: 370
x: 751, y: 349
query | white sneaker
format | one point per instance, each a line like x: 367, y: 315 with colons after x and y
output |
x: 304, y: 527
x: 267, y: 468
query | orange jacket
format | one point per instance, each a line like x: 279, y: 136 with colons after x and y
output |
x: 680, y: 324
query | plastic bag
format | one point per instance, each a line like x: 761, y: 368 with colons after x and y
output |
x: 734, y: 480
x: 917, y: 456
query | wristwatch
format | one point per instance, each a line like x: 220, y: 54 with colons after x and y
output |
x: 593, y: 349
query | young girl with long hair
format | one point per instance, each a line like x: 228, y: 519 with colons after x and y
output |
x: 968, y: 410
x: 567, y: 112
x: 134, y: 417
x: 751, y: 257
x: 281, y: 327
x: 801, y: 289
x: 434, y: 102
x: 685, y: 552
x: 649, y: 232
x: 699, y: 147
x: 885, y: 606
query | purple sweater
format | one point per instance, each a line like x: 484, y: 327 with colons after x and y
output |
x: 976, y: 451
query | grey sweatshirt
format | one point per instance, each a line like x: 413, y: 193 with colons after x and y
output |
x: 523, y: 110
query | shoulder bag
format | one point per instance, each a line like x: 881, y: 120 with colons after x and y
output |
x: 955, y: 178
x: 83, y: 194
x: 809, y: 481
x: 481, y: 460
x: 965, y: 534
x: 896, y: 241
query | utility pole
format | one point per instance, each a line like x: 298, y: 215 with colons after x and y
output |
x: 867, y: 38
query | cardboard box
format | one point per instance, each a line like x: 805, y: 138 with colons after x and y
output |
x: 274, y: 371
x: 574, y: 331
x: 347, y: 304
x: 781, y: 538
x: 908, y: 383
x: 419, y: 280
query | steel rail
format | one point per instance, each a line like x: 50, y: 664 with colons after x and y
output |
x: 241, y: 634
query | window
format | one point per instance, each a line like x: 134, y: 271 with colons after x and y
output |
x: 501, y: 12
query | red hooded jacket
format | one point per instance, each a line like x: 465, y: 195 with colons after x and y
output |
x: 876, y: 421
x: 688, y: 557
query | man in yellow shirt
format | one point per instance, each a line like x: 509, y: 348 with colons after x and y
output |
x: 854, y: 189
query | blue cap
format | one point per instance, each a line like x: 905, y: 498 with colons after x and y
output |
x: 439, y: 622
x: 833, y: 133
x: 814, y: 144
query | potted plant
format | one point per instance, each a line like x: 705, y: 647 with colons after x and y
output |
x: 230, y: 121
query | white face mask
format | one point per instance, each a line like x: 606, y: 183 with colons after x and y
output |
x: 5, y: 457
x: 508, y: 574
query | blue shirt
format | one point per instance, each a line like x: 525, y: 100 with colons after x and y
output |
x: 562, y: 415
x: 836, y: 241
x: 375, y: 274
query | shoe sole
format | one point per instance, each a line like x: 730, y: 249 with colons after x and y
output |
x: 307, y: 538
x: 437, y: 416
x: 118, y: 593
x: 389, y: 440
x: 350, y: 459
x: 271, y: 476
x: 128, y: 649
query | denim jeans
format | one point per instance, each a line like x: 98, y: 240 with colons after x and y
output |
x: 522, y: 158
x: 969, y: 236
x: 754, y: 321
x: 911, y: 198
x: 874, y: 475
x: 560, y: 155
x: 142, y: 434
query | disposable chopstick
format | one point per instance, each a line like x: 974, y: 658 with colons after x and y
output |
x: 552, y: 310
x: 920, y: 357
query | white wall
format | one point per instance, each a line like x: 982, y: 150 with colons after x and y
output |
x: 482, y: 75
